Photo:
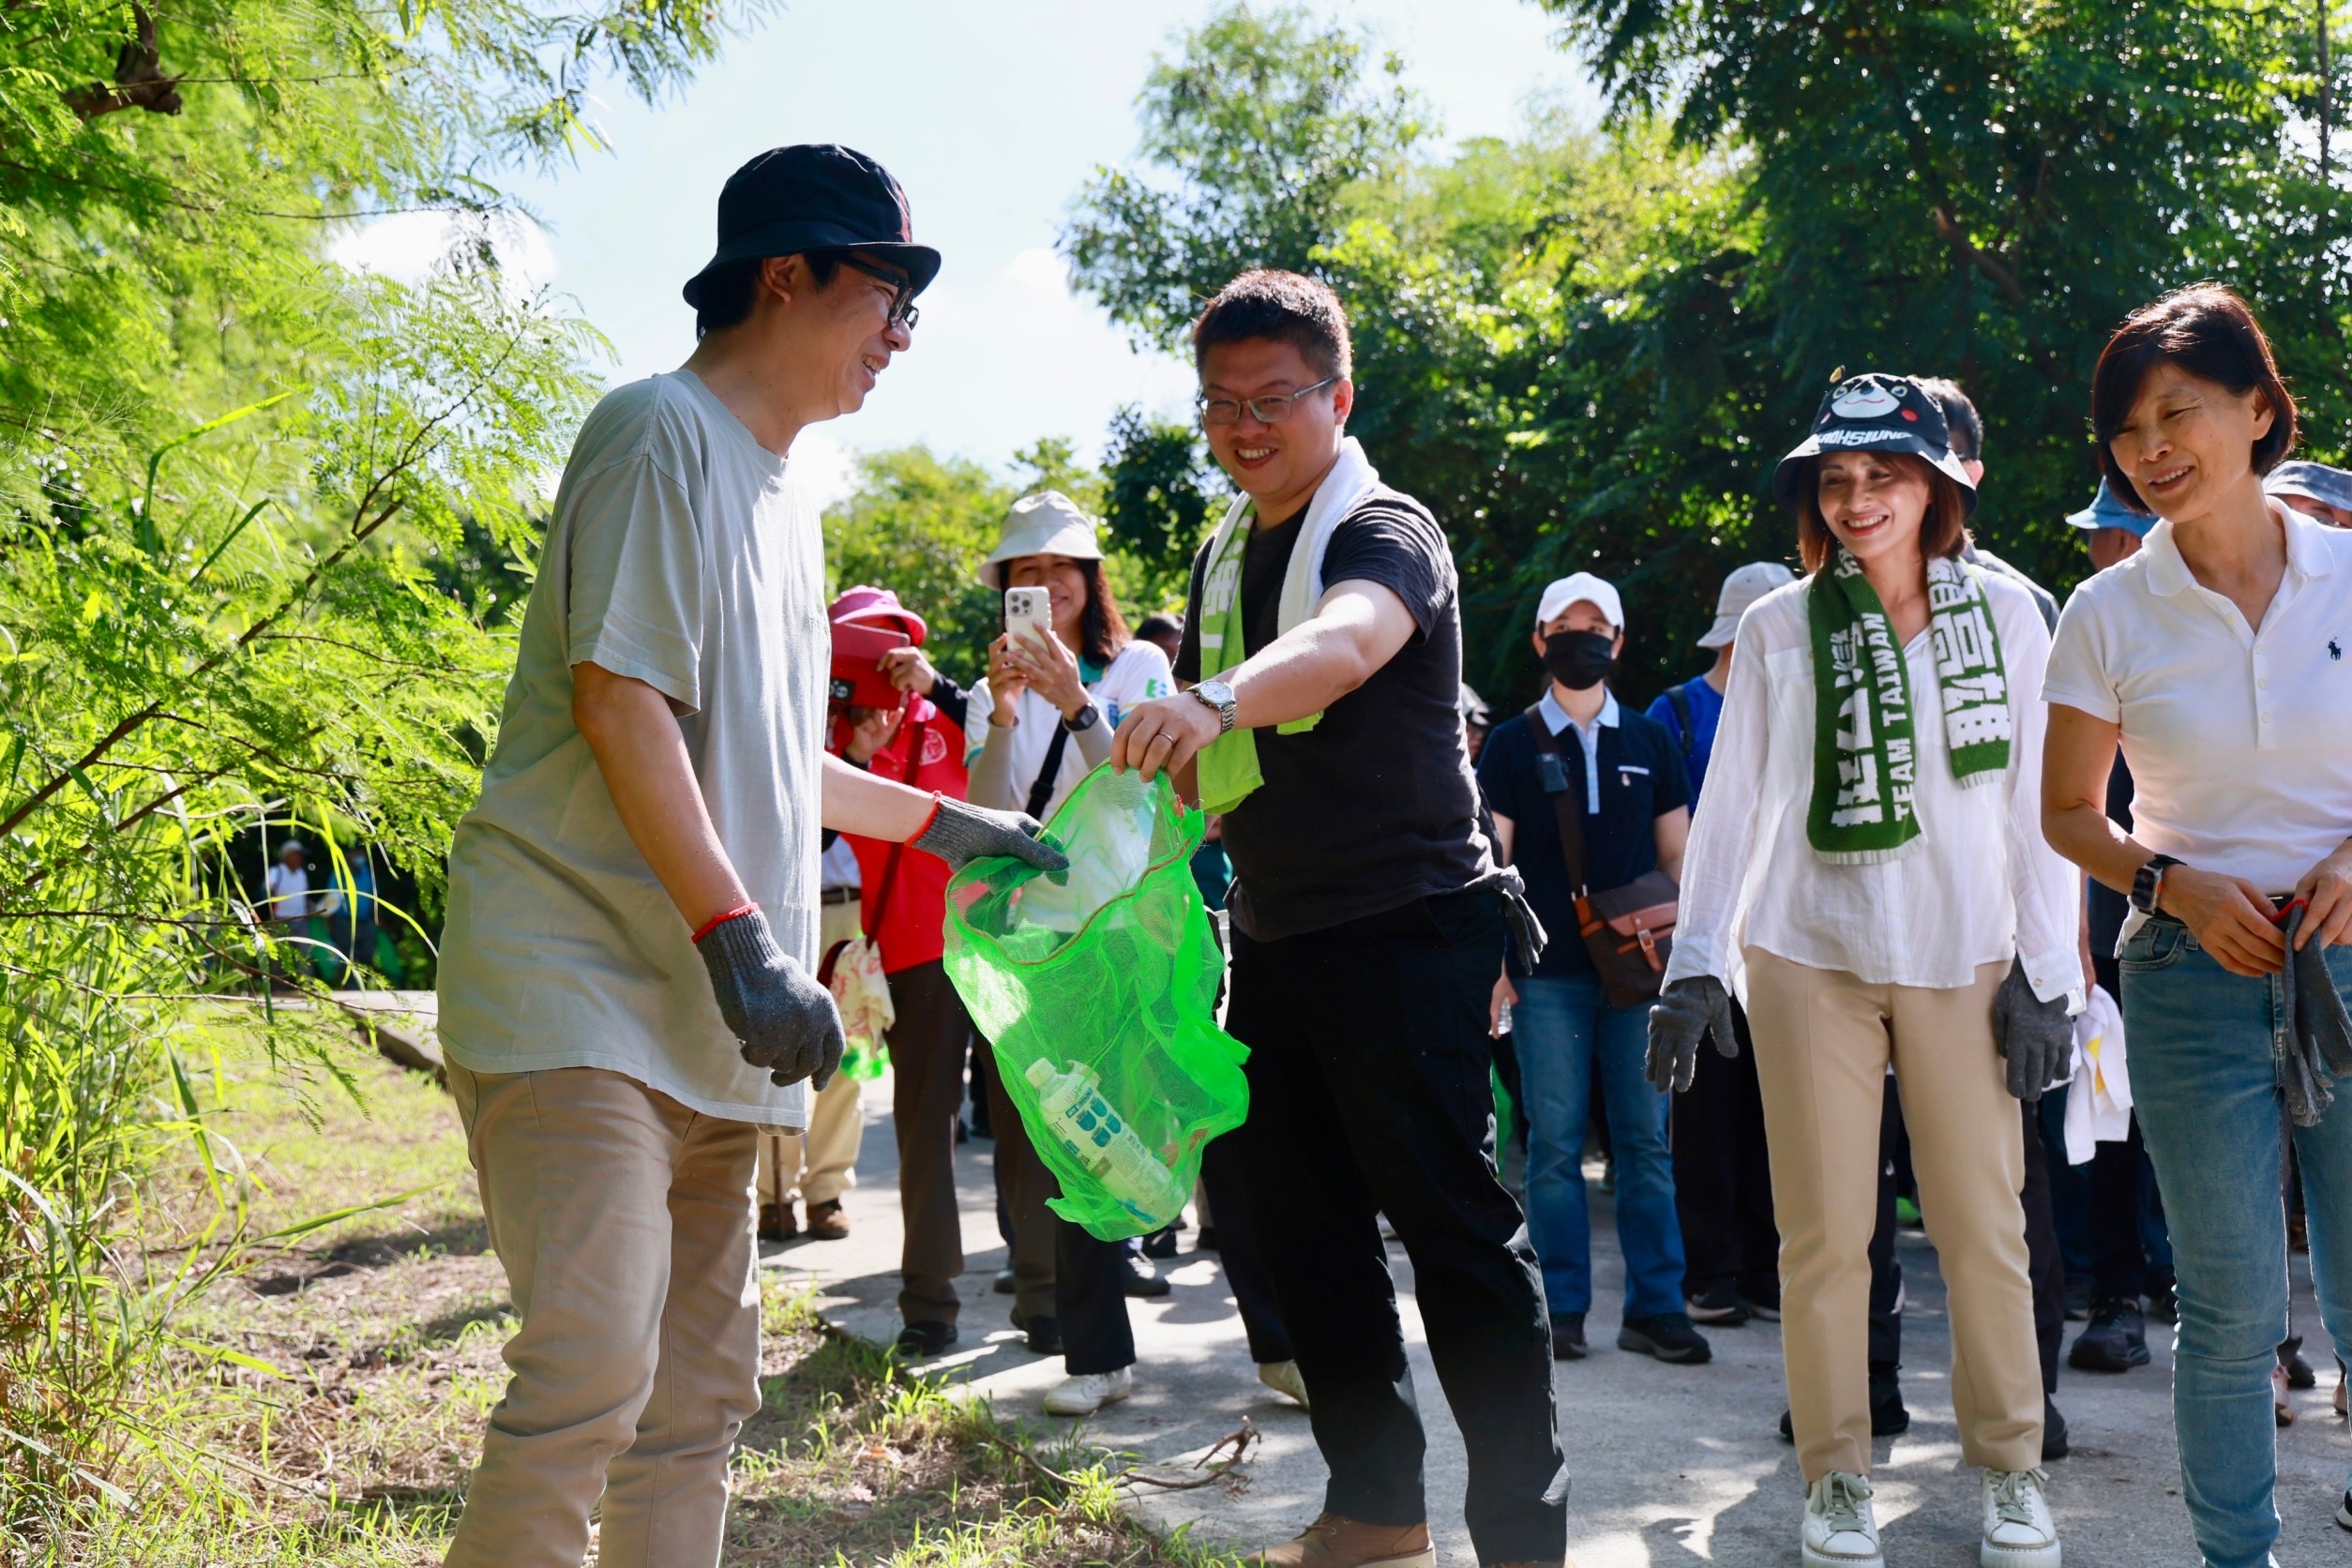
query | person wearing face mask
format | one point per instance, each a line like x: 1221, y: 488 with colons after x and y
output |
x: 1616, y: 779
x: 1869, y: 876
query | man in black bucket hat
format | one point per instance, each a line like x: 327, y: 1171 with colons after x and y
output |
x: 627, y: 991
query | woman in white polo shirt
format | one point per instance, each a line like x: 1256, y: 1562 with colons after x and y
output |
x: 1865, y: 867
x: 2217, y: 656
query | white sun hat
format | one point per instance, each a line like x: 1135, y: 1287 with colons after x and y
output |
x: 1046, y: 523
x: 1741, y: 589
x: 1583, y: 585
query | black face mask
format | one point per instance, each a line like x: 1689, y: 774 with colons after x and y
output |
x: 1579, y: 659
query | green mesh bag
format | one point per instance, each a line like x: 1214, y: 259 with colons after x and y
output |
x: 1099, y: 991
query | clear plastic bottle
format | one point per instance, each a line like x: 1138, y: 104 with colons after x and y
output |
x: 1099, y: 1138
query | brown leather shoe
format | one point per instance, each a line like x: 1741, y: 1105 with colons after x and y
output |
x: 776, y: 1222
x: 827, y: 1223
x: 1333, y: 1541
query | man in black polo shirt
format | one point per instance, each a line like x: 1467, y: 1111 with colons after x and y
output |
x: 1620, y: 777
x: 1324, y: 633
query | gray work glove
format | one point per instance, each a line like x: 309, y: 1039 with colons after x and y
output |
x: 961, y: 832
x: 781, y: 1018
x: 1690, y: 1009
x: 2036, y: 1037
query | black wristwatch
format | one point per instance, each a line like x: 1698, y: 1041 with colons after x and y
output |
x: 2148, y: 885
x: 1088, y: 716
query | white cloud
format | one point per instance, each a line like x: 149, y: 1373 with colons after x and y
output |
x: 1039, y: 270
x: 406, y: 247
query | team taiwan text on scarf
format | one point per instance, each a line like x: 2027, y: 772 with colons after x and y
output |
x: 1863, y: 757
x: 1228, y: 765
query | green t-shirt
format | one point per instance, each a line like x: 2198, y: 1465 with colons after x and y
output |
x: 682, y: 555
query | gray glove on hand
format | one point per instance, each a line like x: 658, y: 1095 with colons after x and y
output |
x: 2036, y: 1037
x: 961, y: 832
x: 1690, y: 1009
x: 781, y: 1018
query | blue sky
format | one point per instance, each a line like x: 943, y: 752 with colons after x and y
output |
x: 992, y: 116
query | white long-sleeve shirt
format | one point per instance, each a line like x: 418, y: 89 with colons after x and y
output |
x: 1982, y: 887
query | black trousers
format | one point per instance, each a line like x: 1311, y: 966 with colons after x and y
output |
x: 1886, y: 1269
x: 1090, y: 1297
x: 1221, y: 1175
x: 1723, y: 1177
x: 2124, y: 1210
x: 2045, y: 1265
x: 1368, y: 1095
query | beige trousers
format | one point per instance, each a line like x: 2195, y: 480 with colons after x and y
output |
x: 1823, y: 1042
x: 623, y: 1220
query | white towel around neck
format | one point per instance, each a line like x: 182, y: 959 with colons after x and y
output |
x: 1350, y: 479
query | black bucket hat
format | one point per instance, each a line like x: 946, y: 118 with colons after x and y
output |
x: 815, y: 197
x: 1876, y: 413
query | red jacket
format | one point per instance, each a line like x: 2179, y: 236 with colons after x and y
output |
x: 910, y: 928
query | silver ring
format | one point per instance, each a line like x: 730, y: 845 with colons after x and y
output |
x: 1168, y: 738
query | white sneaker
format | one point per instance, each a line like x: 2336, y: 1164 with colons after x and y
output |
x: 1841, y: 1531
x: 1090, y: 1392
x: 2019, y: 1529
x: 1283, y: 1378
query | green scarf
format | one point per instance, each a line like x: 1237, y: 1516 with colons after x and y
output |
x: 1863, y: 759
x: 1228, y: 765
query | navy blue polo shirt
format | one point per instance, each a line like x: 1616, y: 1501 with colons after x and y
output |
x: 1641, y: 779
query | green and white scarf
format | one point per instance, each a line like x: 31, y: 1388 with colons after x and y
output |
x: 1864, y: 763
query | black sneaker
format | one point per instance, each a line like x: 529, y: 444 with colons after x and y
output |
x: 1207, y: 1240
x: 1005, y: 1282
x: 2078, y: 1303
x: 2117, y: 1340
x: 1044, y: 1331
x: 2298, y: 1372
x: 1763, y: 1305
x: 2343, y: 1515
x: 1720, y: 1305
x: 1888, y: 1416
x: 1143, y: 1280
x: 2163, y: 1306
x: 1668, y: 1336
x: 2053, y: 1431
x: 922, y: 1341
x: 1160, y: 1245
x: 1568, y: 1336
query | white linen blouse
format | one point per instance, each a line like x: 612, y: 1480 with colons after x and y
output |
x: 1982, y: 887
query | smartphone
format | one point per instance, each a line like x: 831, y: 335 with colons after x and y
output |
x: 1028, y: 612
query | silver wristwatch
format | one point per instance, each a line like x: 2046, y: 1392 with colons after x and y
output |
x: 1220, y: 697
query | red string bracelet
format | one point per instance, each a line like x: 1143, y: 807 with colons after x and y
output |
x: 936, y: 799
x: 714, y: 921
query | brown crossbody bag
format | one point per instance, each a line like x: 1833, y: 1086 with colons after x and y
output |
x: 1628, y: 930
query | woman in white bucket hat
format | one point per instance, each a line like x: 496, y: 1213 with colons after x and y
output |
x: 1052, y: 704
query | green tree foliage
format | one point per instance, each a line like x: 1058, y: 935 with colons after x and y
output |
x: 1587, y: 348
x: 919, y: 526
x: 1984, y: 190
x: 1161, y: 497
x: 1252, y: 139
x: 253, y: 513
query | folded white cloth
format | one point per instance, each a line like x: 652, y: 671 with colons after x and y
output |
x: 1351, y: 478
x: 2099, y: 1105
x: 863, y: 993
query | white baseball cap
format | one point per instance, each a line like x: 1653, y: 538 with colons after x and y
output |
x: 1741, y: 589
x: 1583, y: 586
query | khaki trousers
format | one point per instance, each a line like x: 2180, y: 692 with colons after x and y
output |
x: 820, y: 1164
x: 625, y: 1223
x: 1823, y: 1042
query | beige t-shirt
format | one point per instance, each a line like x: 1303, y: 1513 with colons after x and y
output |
x: 683, y: 555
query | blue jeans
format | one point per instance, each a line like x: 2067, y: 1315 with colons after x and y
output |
x: 1561, y: 1027
x: 2205, y: 1088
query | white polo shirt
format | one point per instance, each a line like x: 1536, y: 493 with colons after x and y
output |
x: 2239, y: 740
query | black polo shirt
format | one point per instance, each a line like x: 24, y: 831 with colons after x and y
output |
x: 1642, y: 778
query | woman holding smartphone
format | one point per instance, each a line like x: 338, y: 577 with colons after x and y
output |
x: 1056, y: 683
x: 1866, y: 867
x: 2215, y: 656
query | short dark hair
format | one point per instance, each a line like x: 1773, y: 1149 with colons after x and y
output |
x: 1285, y: 307
x: 1943, y: 532
x: 1964, y: 426
x: 728, y: 287
x: 1159, y: 624
x: 2208, y: 331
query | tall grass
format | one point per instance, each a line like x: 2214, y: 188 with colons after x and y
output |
x: 250, y: 634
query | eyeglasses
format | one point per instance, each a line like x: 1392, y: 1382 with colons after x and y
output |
x: 1272, y: 408
x: 903, y: 311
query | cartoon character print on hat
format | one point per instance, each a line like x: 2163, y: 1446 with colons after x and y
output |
x: 1864, y: 399
x: 1874, y: 413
